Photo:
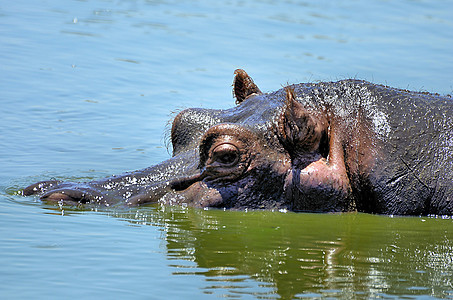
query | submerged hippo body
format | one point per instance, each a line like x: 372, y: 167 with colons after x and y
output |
x: 320, y: 147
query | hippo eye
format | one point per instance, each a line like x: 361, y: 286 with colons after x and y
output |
x: 225, y: 155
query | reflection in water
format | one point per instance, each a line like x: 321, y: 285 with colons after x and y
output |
x: 270, y: 254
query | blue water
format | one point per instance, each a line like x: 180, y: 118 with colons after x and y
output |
x: 87, y: 89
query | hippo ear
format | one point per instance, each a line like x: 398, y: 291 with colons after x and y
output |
x: 243, y: 86
x: 299, y: 131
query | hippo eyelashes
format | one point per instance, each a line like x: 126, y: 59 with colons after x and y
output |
x: 224, y: 155
x: 225, y: 163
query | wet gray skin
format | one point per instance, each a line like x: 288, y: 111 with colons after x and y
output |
x: 321, y: 147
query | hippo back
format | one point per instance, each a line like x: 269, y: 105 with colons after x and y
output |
x: 415, y: 174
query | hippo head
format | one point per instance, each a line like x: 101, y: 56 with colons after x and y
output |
x: 270, y: 151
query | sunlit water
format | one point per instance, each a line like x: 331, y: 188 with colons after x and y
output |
x: 86, y: 91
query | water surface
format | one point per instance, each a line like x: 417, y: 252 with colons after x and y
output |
x: 87, y: 89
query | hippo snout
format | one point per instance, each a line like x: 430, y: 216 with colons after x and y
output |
x: 65, y: 192
x: 73, y: 195
x: 40, y: 187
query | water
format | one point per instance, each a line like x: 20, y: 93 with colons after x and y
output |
x: 86, y: 91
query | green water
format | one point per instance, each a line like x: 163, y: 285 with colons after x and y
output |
x: 187, y: 253
x: 297, y: 255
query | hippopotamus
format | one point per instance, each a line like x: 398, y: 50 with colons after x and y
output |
x: 342, y: 146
